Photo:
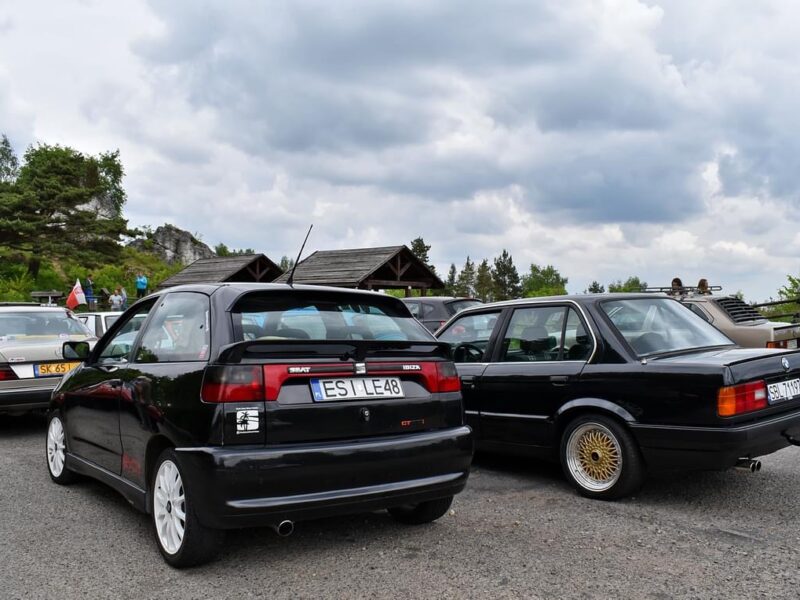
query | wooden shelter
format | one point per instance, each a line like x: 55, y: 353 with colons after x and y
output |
x: 390, y: 267
x: 243, y: 268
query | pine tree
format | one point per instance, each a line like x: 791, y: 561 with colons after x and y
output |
x: 595, y: 288
x: 450, y: 284
x: 420, y: 249
x: 631, y: 284
x: 505, y: 278
x: 9, y: 163
x: 483, y: 282
x: 543, y: 281
x: 465, y: 284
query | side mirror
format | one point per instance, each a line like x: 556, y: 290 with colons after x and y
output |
x: 76, y: 350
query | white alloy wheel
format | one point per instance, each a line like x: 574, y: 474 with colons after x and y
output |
x: 169, y: 507
x: 55, y: 447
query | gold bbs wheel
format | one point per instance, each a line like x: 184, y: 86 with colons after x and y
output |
x: 594, y: 457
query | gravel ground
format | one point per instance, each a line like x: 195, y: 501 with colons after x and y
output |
x: 517, y: 531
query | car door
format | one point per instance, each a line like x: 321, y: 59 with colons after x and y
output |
x: 535, y: 365
x: 470, y: 337
x: 160, y: 390
x: 92, y: 396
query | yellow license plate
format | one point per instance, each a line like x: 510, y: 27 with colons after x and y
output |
x: 53, y: 369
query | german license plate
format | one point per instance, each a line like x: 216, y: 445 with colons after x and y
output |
x: 53, y: 369
x: 783, y: 390
x: 361, y: 388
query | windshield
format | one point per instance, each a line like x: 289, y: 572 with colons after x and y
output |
x: 316, y: 316
x: 20, y: 325
x: 656, y: 325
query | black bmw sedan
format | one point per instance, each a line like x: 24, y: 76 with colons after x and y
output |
x: 235, y: 405
x: 613, y: 385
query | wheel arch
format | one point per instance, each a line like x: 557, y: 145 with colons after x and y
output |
x: 155, y: 446
x: 580, y: 406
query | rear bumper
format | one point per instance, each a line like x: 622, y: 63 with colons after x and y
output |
x: 666, y: 447
x: 22, y: 398
x: 254, y: 486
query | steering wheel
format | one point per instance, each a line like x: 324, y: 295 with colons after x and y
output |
x: 467, y: 353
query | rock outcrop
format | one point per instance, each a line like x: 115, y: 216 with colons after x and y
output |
x: 173, y: 245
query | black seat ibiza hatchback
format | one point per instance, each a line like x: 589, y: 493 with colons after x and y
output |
x: 220, y: 406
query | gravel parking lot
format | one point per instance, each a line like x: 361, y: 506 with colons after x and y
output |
x: 517, y: 531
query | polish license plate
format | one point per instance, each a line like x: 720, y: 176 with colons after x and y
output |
x: 783, y: 390
x: 53, y: 369
x: 361, y: 388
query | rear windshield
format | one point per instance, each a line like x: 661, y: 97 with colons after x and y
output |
x: 656, y: 325
x: 18, y: 325
x: 307, y: 315
x: 456, y: 306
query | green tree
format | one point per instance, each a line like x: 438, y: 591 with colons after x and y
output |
x: 483, y: 282
x: 450, y: 283
x: 9, y: 163
x: 543, y: 281
x: 465, y: 284
x: 286, y: 263
x: 631, y: 284
x: 595, y: 288
x: 222, y: 250
x: 70, y: 204
x: 505, y: 277
x: 420, y: 249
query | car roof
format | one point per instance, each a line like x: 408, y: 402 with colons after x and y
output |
x: 244, y: 287
x: 582, y: 299
x: 24, y: 307
x: 438, y: 299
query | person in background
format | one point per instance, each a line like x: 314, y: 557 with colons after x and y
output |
x: 677, y: 287
x: 702, y: 287
x: 115, y: 299
x: 88, y: 290
x: 141, y: 285
x: 124, y: 295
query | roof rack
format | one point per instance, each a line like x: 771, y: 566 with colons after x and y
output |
x: 683, y: 290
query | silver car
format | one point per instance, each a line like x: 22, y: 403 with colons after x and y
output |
x: 99, y: 322
x: 31, y: 362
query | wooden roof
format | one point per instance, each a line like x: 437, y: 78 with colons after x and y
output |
x: 245, y: 267
x: 371, y: 268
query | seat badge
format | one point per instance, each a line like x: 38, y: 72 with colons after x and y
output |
x: 246, y: 421
x: 360, y: 368
x: 785, y: 363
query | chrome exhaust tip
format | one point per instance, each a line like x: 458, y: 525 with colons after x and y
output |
x: 748, y: 464
x: 284, y: 528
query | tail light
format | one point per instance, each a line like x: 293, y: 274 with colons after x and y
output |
x: 440, y: 377
x: 743, y: 398
x: 233, y: 384
x: 780, y: 344
x: 6, y: 374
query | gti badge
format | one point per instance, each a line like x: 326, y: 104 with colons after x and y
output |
x: 246, y: 421
x: 360, y: 368
x: 785, y: 363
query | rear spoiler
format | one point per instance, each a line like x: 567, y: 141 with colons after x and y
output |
x: 341, y: 349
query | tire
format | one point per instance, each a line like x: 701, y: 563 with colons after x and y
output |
x: 600, y: 458
x: 181, y: 539
x: 56, y: 451
x: 424, y: 512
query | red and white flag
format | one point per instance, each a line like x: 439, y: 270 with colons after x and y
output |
x: 76, y: 296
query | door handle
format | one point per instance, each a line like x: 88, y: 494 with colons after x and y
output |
x: 109, y: 368
x: 559, y: 379
x: 468, y: 382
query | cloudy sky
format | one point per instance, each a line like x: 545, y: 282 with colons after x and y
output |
x: 606, y: 137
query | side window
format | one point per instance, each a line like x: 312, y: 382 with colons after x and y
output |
x: 469, y: 336
x: 535, y: 334
x: 118, y: 348
x: 699, y: 312
x: 427, y: 309
x: 413, y: 308
x: 578, y: 344
x: 178, y: 331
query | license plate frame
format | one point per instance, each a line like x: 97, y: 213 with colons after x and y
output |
x: 49, y: 369
x: 342, y: 389
x: 777, y: 390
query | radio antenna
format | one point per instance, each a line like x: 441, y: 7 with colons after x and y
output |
x: 299, y: 254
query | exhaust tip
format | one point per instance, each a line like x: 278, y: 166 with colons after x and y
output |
x: 748, y: 464
x: 756, y: 466
x: 285, y: 528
